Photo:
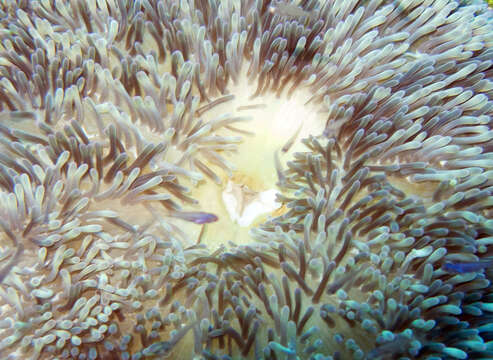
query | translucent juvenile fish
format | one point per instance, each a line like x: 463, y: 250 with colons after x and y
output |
x: 285, y: 9
x: 19, y: 248
x: 4, y: 272
x: 390, y: 350
x: 466, y: 266
x: 197, y: 217
x: 163, y: 348
x: 291, y: 140
x: 280, y: 173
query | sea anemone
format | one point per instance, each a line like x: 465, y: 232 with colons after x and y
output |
x: 246, y: 179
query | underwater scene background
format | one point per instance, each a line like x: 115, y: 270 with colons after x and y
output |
x: 246, y: 179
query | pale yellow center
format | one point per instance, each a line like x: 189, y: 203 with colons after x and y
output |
x: 248, y: 197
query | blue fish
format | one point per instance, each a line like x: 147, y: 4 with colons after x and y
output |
x: 197, y: 217
x: 466, y: 266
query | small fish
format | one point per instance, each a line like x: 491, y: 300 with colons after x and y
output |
x: 163, y: 348
x: 4, y: 272
x: 285, y: 9
x: 466, y: 266
x: 291, y: 140
x: 279, y: 171
x: 197, y: 217
x: 390, y: 350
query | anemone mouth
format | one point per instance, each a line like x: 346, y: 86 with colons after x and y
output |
x: 244, y: 195
x: 245, y: 179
